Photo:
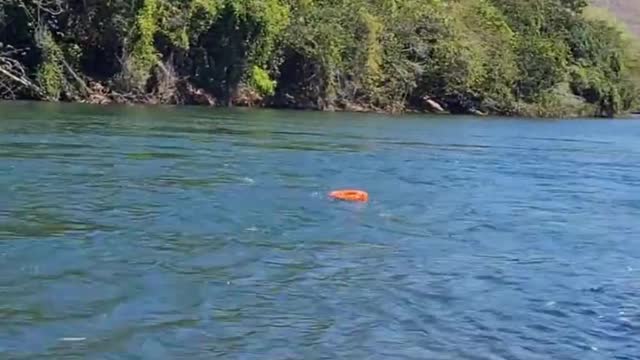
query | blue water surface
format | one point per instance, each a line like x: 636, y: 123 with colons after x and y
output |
x: 193, y: 233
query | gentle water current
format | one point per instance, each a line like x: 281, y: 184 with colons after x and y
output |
x: 191, y: 233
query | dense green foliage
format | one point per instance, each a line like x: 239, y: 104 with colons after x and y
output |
x: 533, y: 57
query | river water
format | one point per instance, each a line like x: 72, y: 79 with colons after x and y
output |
x: 165, y: 233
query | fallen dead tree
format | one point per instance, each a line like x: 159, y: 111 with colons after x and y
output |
x: 13, y: 76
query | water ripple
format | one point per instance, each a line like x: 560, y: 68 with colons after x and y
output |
x: 189, y: 233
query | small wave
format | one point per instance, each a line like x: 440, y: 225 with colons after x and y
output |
x: 248, y: 180
x: 155, y: 156
x: 75, y: 339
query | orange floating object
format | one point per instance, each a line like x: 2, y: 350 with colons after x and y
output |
x: 350, y: 195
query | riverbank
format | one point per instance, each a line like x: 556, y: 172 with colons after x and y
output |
x: 199, y: 98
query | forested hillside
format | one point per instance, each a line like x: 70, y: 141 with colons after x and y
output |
x: 537, y: 57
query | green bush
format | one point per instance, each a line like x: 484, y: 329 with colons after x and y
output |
x: 50, y: 73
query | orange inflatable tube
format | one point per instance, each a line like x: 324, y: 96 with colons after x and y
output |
x: 350, y: 195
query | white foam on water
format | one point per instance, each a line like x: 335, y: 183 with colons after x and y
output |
x: 73, y: 339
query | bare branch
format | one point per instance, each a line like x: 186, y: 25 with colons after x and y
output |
x: 13, y: 76
x: 52, y: 7
x: 36, y: 8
